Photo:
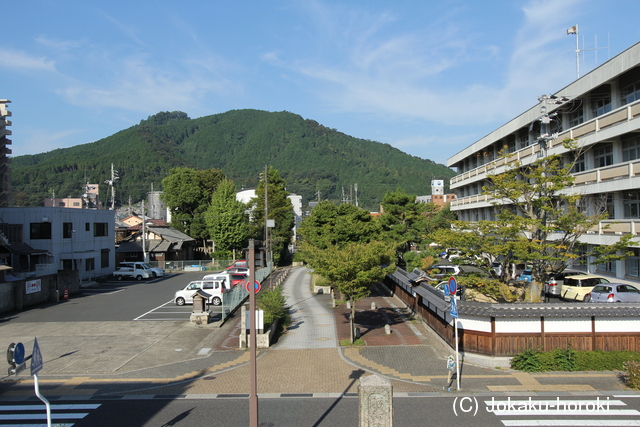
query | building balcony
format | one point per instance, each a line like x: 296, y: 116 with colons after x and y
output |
x: 595, y: 127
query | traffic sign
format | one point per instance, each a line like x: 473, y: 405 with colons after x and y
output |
x: 15, y: 353
x: 453, y: 309
x: 453, y: 285
x: 36, y: 358
x: 256, y: 286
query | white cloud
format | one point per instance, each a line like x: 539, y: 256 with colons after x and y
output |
x: 142, y: 87
x: 34, y: 141
x: 20, y: 60
x: 385, y: 70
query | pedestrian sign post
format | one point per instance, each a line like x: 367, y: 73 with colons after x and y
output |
x: 453, y: 309
x: 36, y: 358
x: 453, y: 312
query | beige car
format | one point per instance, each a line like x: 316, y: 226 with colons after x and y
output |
x: 576, y: 287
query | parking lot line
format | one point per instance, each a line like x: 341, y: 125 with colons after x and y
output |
x: 153, y: 309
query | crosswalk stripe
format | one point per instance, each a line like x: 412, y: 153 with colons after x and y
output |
x: 549, y: 403
x: 62, y: 407
x: 570, y: 423
x: 43, y: 416
x: 555, y: 412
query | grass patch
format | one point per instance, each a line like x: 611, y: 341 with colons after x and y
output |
x: 347, y: 343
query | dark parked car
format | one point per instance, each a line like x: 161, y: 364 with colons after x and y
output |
x: 613, y: 292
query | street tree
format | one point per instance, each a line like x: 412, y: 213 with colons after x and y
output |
x: 187, y: 193
x: 407, y: 223
x: 329, y: 225
x: 344, y: 245
x: 226, y: 219
x: 353, y: 268
x: 279, y: 209
x: 538, y: 221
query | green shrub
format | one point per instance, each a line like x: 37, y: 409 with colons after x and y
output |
x: 632, y: 369
x: 527, y: 360
x: 274, y: 304
x: 224, y: 255
x: 568, y: 359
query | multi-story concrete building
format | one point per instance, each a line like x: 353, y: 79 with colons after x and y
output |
x: 601, y: 111
x: 4, y: 152
x: 42, y: 240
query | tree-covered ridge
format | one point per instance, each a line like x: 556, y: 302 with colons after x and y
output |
x: 313, y: 159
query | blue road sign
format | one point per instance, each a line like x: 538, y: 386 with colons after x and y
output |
x: 453, y: 308
x: 453, y: 286
x: 36, y: 358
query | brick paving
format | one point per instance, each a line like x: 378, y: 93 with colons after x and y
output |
x: 306, y: 359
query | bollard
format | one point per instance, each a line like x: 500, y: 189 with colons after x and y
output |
x: 373, y: 305
x: 375, y: 394
x: 349, y: 305
x: 387, y: 329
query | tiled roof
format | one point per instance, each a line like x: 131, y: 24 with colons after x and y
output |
x: 434, y: 300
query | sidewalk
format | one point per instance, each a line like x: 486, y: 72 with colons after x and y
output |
x: 178, y: 359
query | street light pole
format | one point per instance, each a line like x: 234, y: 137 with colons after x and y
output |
x: 266, y: 214
x: 253, y: 372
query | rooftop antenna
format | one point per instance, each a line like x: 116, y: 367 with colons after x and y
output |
x: 574, y: 30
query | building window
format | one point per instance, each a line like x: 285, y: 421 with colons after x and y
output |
x: 601, y: 106
x: 76, y: 204
x: 576, y: 118
x: 90, y: 264
x: 580, y: 165
x: 633, y: 264
x: 631, y: 204
x: 607, y: 267
x: 602, y: 155
x: 67, y: 264
x: 67, y: 230
x: 104, y: 258
x: 100, y: 229
x: 61, y: 204
x: 87, y: 226
x: 630, y: 93
x: 40, y: 230
x: 630, y: 149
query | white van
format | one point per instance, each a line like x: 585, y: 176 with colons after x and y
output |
x: 230, y: 279
x: 143, y: 266
x: 215, y: 288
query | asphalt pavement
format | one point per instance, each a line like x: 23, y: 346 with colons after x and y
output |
x: 176, y: 358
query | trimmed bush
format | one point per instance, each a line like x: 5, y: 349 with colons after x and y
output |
x: 274, y: 304
x: 535, y: 360
x: 632, y: 369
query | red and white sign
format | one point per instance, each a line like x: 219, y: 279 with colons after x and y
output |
x: 33, y: 286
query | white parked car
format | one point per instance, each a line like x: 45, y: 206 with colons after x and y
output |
x: 143, y: 266
x: 215, y: 289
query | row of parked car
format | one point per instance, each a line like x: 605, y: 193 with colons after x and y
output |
x: 574, y: 285
x: 214, y: 284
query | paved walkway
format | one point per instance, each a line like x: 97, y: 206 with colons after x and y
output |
x: 312, y: 322
x: 178, y: 359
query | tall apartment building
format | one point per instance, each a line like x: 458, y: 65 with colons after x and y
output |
x: 601, y: 111
x: 4, y: 152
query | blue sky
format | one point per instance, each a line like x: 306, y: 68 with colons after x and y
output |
x: 427, y: 77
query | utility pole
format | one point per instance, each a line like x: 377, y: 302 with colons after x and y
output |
x: 266, y: 214
x: 253, y: 371
x: 356, y: 188
x: 144, y: 237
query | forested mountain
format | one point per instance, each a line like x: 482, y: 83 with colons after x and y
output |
x: 315, y: 161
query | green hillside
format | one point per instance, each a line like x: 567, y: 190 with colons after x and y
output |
x: 311, y: 158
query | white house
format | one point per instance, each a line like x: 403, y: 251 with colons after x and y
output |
x: 42, y: 240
